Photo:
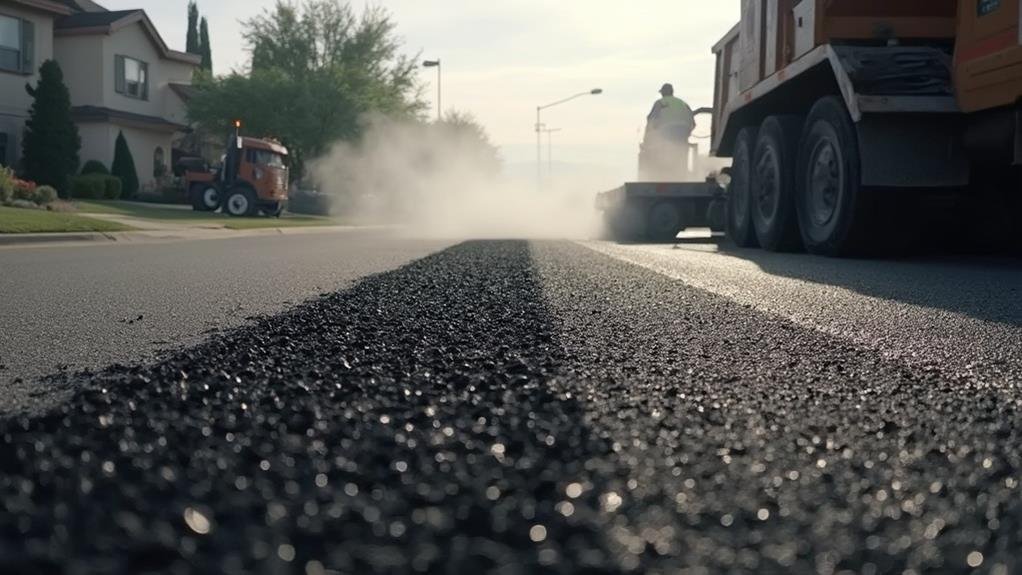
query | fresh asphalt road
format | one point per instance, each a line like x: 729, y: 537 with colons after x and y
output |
x: 555, y: 407
x: 86, y: 306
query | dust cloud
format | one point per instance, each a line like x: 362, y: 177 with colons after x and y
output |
x: 436, y: 181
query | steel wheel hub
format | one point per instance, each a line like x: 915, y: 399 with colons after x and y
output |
x: 767, y: 185
x: 211, y: 197
x: 825, y: 183
x: 237, y: 204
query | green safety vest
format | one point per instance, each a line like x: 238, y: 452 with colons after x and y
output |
x: 670, y: 111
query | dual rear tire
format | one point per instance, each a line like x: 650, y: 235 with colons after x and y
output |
x: 796, y: 184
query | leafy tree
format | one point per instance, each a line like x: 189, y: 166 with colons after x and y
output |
x: 192, y: 45
x: 51, y: 142
x: 94, y: 167
x: 316, y: 70
x: 124, y: 167
x: 469, y: 139
x: 207, y: 50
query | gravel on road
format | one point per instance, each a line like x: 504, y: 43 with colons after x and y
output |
x: 501, y: 407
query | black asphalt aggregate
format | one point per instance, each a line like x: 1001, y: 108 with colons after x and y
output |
x: 515, y: 408
x: 84, y: 307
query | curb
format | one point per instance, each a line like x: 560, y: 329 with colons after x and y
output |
x: 13, y: 240
x: 48, y: 238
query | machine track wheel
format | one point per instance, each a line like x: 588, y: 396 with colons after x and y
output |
x: 739, y: 197
x: 834, y: 211
x: 774, y: 216
x: 241, y: 202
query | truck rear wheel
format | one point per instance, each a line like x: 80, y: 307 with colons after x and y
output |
x: 833, y: 208
x: 205, y: 197
x: 774, y: 217
x: 739, y: 197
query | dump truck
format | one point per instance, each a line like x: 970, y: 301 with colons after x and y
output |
x: 671, y: 195
x: 251, y: 179
x: 830, y: 108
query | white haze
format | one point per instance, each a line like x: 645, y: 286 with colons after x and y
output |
x: 437, y: 183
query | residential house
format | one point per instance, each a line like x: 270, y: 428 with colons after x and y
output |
x: 121, y: 74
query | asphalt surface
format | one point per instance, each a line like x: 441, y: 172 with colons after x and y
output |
x: 542, y: 408
x: 69, y: 308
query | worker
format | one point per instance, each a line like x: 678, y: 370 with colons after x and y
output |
x: 666, y: 152
x: 671, y: 119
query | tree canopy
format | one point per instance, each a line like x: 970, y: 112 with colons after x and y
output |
x: 316, y: 69
x: 192, y: 45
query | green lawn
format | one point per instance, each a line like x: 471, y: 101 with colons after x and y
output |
x: 23, y: 221
x: 185, y: 214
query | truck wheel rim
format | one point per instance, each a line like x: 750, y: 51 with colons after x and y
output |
x: 211, y: 197
x: 767, y: 189
x: 237, y: 204
x: 825, y: 183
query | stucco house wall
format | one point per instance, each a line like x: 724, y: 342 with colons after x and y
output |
x: 14, y: 100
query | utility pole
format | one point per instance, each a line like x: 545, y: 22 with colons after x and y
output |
x: 540, y: 126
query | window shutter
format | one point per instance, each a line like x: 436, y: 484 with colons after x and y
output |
x: 119, y: 74
x: 145, y: 80
x: 27, y: 47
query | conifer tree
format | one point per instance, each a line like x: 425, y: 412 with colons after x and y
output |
x: 51, y: 142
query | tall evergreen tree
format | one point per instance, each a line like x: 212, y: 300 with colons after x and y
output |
x: 124, y: 167
x: 52, y: 142
x: 207, y: 50
x: 192, y: 45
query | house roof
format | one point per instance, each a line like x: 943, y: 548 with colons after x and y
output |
x: 89, y: 114
x: 92, y: 19
x: 81, y: 5
x: 184, y: 91
x: 58, y: 7
x: 107, y: 22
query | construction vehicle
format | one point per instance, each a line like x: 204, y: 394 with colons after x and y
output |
x: 831, y: 108
x: 669, y: 197
x: 251, y: 179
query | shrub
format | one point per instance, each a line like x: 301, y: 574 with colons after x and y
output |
x: 23, y: 190
x: 95, y: 167
x: 25, y: 205
x: 91, y: 187
x: 6, y: 185
x: 44, y: 195
x: 112, y: 188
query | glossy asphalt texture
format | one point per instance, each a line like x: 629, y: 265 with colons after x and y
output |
x: 532, y: 408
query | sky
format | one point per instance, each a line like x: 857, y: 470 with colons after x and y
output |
x: 502, y: 59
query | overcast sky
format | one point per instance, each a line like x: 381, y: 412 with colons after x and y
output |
x: 502, y: 59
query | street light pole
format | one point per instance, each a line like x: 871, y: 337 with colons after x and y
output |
x: 439, y: 87
x: 550, y: 150
x: 539, y: 130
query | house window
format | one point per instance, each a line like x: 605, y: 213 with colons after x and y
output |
x: 17, y: 44
x: 131, y: 77
x: 3, y: 149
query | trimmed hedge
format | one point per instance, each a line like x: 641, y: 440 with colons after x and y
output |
x: 95, y: 167
x: 96, y: 187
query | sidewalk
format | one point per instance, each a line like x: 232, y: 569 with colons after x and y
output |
x: 156, y: 233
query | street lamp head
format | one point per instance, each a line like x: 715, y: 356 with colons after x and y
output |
x: 431, y: 63
x: 596, y: 91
